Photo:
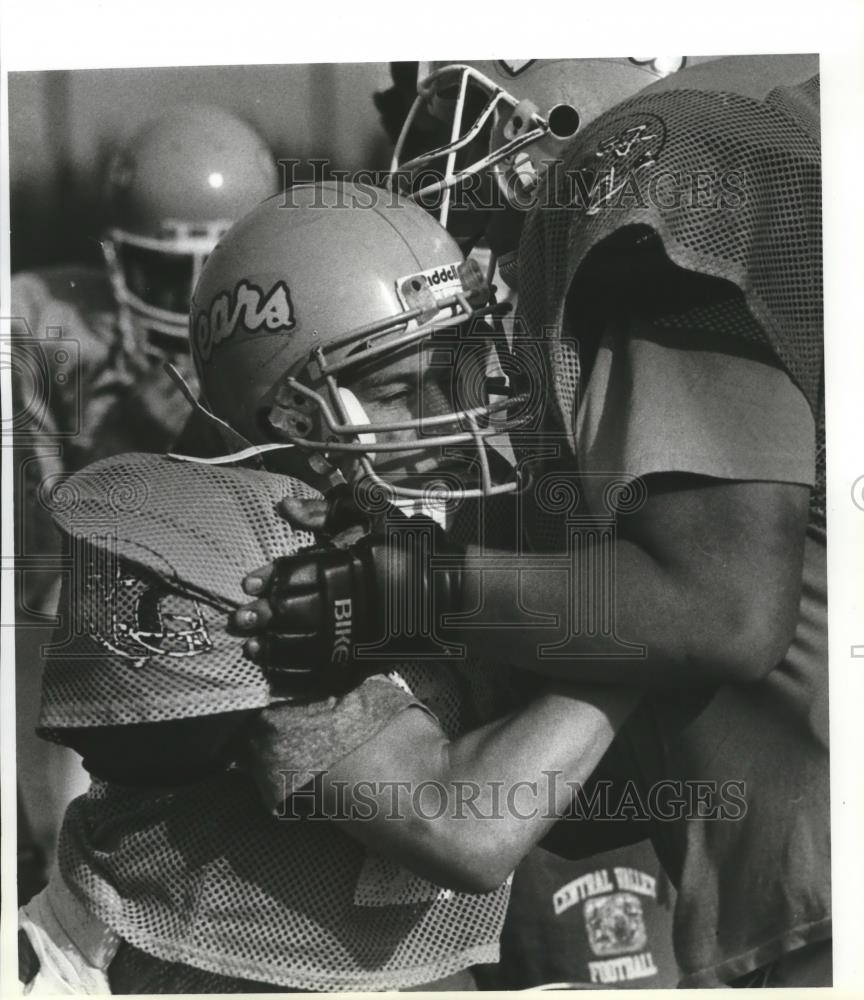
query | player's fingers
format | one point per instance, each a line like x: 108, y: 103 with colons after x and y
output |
x: 256, y: 581
x: 304, y: 513
x: 280, y: 654
x: 330, y: 516
x: 349, y: 536
x: 252, y: 617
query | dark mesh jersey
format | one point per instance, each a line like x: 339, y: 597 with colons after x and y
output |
x: 720, y: 166
x: 697, y: 196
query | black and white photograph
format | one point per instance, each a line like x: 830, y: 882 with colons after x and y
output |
x: 416, y: 492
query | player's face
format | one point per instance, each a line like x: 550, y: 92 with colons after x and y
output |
x: 415, y: 385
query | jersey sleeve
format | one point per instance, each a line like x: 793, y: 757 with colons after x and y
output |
x: 681, y: 393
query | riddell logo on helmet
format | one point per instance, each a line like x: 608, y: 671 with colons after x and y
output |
x: 442, y: 281
x: 443, y: 276
x: 247, y: 305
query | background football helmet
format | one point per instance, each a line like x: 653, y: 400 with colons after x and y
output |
x: 511, y: 118
x: 322, y: 282
x: 173, y: 190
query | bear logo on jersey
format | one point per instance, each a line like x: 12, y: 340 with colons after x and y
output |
x: 615, y: 924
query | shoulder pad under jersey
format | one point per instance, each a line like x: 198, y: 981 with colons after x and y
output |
x: 199, y: 528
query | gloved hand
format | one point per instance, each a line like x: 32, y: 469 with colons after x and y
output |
x: 315, y: 610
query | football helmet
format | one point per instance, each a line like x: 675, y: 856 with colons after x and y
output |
x: 173, y: 190
x: 511, y: 117
x: 316, y: 286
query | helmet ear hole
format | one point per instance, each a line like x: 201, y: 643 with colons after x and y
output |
x: 564, y: 121
x: 270, y: 421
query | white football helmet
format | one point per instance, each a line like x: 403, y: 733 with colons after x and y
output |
x: 512, y: 117
x: 173, y: 191
x: 314, y: 288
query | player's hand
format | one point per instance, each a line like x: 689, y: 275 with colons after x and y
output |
x: 314, y: 610
x: 340, y: 516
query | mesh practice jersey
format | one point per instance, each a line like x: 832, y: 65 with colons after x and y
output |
x: 696, y: 207
x: 205, y: 874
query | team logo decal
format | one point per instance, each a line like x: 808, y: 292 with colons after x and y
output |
x: 634, y: 139
x: 513, y: 67
x: 140, y: 620
x: 247, y: 306
x: 627, y: 148
x: 615, y: 924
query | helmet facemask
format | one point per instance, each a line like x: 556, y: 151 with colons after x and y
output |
x: 446, y: 94
x: 153, y: 279
x: 524, y: 134
x: 297, y: 329
x: 319, y: 408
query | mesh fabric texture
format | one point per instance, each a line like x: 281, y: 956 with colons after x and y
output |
x: 211, y: 891
x: 159, y: 551
x: 754, y: 222
x: 204, y: 876
x: 196, y: 526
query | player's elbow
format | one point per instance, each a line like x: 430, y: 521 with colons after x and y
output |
x: 480, y: 881
x: 758, y: 648
x: 470, y: 871
x: 749, y: 635
x: 457, y: 855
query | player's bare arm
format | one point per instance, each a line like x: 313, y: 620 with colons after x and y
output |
x: 707, y: 577
x: 490, y: 796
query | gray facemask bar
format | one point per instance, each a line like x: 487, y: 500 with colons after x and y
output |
x: 458, y: 140
x: 423, y: 306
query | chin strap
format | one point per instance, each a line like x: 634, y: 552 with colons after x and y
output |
x: 244, y: 455
x: 244, y: 449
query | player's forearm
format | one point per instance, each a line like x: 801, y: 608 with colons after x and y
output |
x: 651, y: 625
x: 703, y: 589
x: 523, y: 768
x: 472, y: 807
x: 566, y: 728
